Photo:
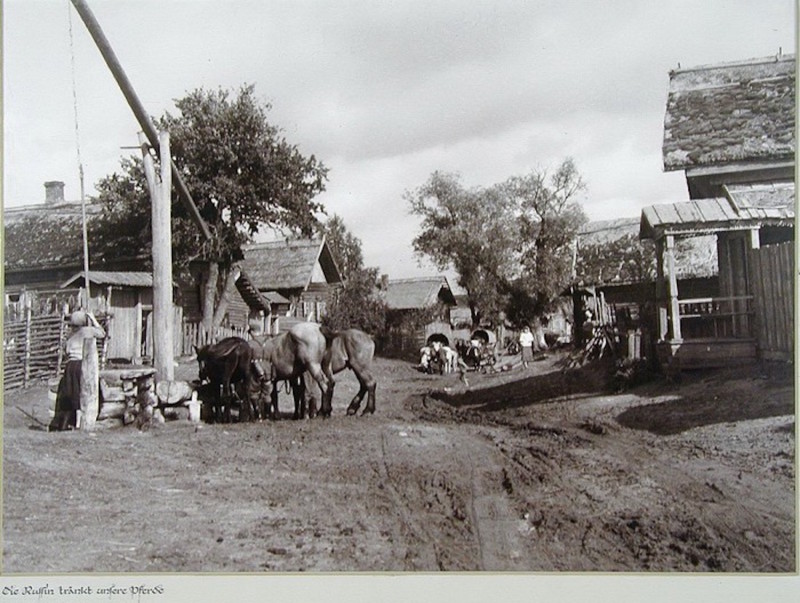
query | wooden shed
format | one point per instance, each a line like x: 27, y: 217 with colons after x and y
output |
x: 417, y: 308
x: 127, y: 299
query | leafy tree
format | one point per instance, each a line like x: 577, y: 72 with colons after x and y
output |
x: 469, y: 231
x: 356, y: 303
x: 243, y: 175
x: 549, y: 220
x: 511, y: 244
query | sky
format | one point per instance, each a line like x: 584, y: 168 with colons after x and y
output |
x: 383, y: 92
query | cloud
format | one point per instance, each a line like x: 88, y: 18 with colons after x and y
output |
x: 385, y: 92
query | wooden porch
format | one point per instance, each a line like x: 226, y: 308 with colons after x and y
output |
x: 715, y: 331
x: 731, y: 327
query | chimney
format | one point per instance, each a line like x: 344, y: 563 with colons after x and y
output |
x: 54, y: 192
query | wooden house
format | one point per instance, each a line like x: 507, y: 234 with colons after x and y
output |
x: 731, y: 128
x: 296, y: 277
x: 417, y: 308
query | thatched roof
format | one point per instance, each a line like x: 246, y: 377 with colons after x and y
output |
x: 44, y: 236
x: 745, y: 207
x: 418, y: 293
x: 115, y: 278
x: 731, y: 112
x: 290, y: 264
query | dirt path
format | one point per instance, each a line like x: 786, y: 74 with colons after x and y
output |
x: 536, y: 471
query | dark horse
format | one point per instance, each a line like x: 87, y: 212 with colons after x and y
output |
x: 352, y: 349
x: 223, y: 364
x: 287, y: 357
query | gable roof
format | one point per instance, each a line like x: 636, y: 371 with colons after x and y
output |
x: 416, y: 293
x: 118, y: 278
x: 289, y: 264
x: 745, y: 207
x: 730, y: 112
x: 44, y: 236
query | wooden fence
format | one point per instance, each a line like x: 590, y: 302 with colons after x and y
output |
x: 31, y: 349
x: 194, y: 334
x: 772, y: 283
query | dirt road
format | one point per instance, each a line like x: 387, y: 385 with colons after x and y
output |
x: 528, y: 471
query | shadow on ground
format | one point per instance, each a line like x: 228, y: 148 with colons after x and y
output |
x: 536, y: 389
x: 676, y: 416
x: 717, y: 397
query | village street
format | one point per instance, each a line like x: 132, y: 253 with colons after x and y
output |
x: 536, y: 471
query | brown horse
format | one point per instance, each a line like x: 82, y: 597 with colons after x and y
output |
x: 352, y: 349
x: 266, y: 378
x: 288, y: 356
x: 223, y: 364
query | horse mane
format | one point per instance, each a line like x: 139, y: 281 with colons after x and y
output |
x: 329, y: 335
x: 224, y: 347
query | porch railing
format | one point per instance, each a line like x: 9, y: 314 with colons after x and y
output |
x: 716, y: 317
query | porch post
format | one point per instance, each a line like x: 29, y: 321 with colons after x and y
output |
x: 755, y: 238
x: 660, y: 294
x: 672, y: 288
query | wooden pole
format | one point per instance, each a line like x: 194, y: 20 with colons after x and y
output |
x: 90, y: 385
x: 672, y: 288
x: 163, y: 351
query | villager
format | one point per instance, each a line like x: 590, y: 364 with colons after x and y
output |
x: 68, y: 399
x: 526, y: 344
x: 588, y: 326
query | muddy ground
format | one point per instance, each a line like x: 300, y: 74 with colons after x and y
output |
x: 537, y: 470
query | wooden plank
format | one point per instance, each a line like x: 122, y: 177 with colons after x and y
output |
x: 785, y: 254
x: 776, y: 309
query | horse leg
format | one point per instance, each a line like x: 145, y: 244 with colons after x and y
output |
x: 273, y: 407
x: 367, y: 385
x: 325, y: 386
x: 299, y: 396
x: 227, y: 401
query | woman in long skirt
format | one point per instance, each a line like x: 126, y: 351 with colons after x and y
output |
x: 526, y: 344
x: 68, y: 399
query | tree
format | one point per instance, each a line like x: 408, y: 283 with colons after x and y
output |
x: 344, y: 245
x: 467, y: 230
x: 243, y: 176
x: 549, y: 221
x: 356, y: 303
x: 511, y: 243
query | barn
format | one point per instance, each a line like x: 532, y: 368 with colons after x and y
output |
x: 731, y: 129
